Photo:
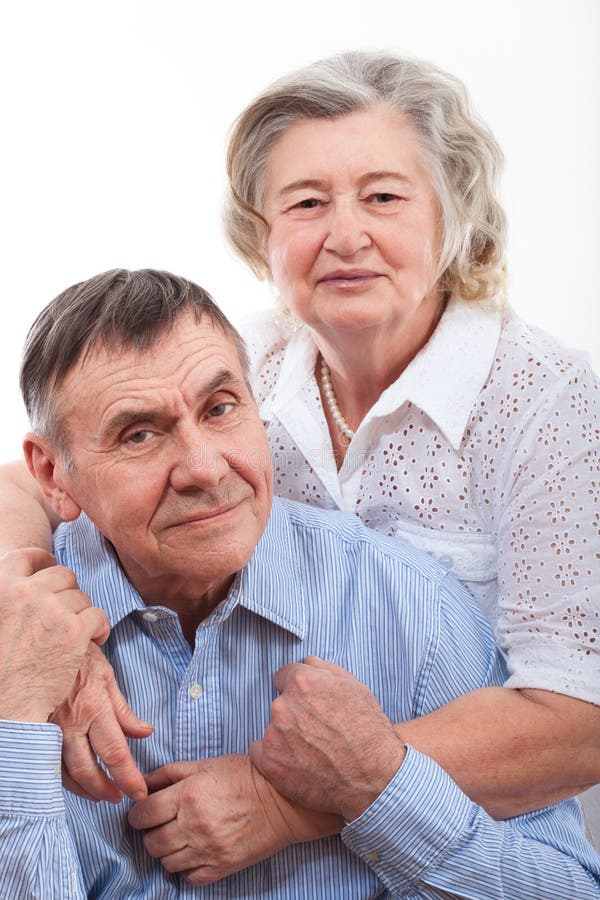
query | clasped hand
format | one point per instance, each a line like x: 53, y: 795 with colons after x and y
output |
x: 327, y: 753
x: 52, y: 669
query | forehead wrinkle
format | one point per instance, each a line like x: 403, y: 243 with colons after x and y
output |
x: 152, y: 382
x: 123, y: 417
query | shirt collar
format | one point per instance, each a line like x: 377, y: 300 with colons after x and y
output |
x: 437, y: 380
x: 269, y: 585
x: 446, y: 376
x: 297, y: 368
x: 98, y: 570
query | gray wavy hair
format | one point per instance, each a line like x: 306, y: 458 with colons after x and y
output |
x: 460, y: 153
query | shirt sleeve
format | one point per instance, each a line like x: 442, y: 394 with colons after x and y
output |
x: 424, y: 837
x: 37, y: 854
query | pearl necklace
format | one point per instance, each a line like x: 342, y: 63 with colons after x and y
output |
x: 332, y: 402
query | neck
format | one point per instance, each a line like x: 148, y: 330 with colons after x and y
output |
x: 192, y: 601
x: 363, y: 365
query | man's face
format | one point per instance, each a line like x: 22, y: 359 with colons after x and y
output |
x: 170, y: 459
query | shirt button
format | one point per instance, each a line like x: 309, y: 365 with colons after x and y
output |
x: 372, y: 857
x: 447, y: 561
x: 150, y: 617
x: 196, y: 691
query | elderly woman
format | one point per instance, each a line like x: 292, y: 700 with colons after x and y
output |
x: 396, y: 383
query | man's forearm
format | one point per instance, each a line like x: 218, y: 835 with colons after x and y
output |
x: 37, y: 854
x: 512, y: 751
x: 423, y: 832
x: 24, y: 520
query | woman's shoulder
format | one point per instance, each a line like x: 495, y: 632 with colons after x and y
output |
x: 265, y: 332
x: 527, y: 350
x: 535, y: 386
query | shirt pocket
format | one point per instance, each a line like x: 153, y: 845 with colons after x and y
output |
x: 472, y: 558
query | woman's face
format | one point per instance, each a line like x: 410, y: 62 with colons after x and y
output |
x: 354, y: 224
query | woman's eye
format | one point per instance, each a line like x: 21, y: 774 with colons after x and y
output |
x: 383, y: 197
x: 221, y: 409
x: 309, y: 203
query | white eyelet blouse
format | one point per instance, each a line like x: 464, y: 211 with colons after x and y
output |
x: 484, y: 454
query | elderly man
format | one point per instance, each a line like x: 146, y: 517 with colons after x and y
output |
x: 147, y: 442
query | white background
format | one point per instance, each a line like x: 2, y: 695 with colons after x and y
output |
x: 114, y: 118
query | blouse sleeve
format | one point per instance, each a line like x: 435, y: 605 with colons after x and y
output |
x: 548, y: 534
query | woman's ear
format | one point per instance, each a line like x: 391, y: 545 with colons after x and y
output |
x: 51, y: 473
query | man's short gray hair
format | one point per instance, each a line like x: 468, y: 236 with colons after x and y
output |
x: 118, y: 310
x: 460, y: 153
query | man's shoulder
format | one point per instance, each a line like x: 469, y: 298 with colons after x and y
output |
x: 345, y: 561
x: 342, y: 531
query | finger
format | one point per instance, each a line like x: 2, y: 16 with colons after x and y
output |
x: 255, y: 752
x: 167, y: 840
x: 72, y: 600
x: 73, y: 787
x: 155, y: 810
x: 317, y: 663
x: 108, y: 741
x: 182, y: 860
x: 95, y: 624
x: 56, y: 579
x: 27, y: 560
x: 86, y: 777
x: 283, y: 676
x: 169, y: 774
x: 205, y: 875
x: 131, y: 724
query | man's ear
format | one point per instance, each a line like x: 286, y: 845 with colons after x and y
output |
x: 51, y: 475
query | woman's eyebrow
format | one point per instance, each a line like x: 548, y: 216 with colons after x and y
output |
x: 320, y: 185
x: 315, y: 183
x: 382, y: 174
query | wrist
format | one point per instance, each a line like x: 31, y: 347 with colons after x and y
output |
x: 291, y: 823
x: 23, y: 712
x: 366, y: 793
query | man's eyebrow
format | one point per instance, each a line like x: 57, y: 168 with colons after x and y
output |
x: 125, y: 417
x: 223, y: 378
x: 319, y: 185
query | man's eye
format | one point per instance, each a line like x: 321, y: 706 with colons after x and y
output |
x: 221, y: 409
x: 138, y: 437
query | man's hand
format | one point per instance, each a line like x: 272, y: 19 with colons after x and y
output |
x: 216, y: 816
x: 329, y: 745
x: 94, y: 719
x: 47, y: 625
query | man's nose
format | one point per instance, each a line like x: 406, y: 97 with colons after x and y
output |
x: 200, y: 464
x: 346, y: 230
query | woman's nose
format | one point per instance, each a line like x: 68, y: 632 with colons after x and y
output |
x: 346, y: 231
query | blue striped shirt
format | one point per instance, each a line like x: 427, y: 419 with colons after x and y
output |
x: 318, y: 583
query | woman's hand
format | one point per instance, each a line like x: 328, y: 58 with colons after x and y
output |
x: 95, y: 719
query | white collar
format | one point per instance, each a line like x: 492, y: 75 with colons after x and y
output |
x: 446, y: 376
x: 443, y: 379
